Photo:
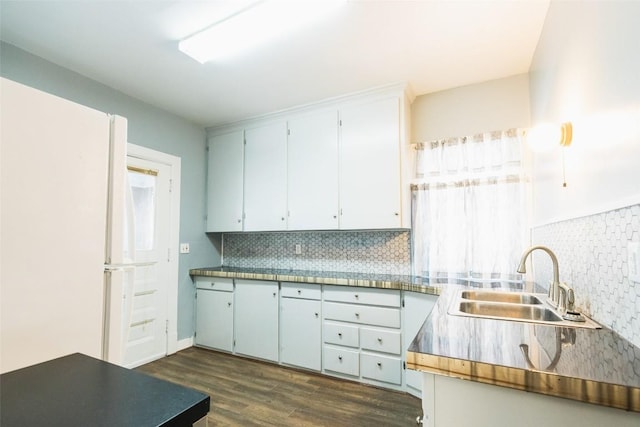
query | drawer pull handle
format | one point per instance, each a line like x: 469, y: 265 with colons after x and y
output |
x: 379, y: 364
x: 340, y: 358
x: 380, y: 340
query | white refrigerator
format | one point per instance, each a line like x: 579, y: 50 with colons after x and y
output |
x: 63, y: 268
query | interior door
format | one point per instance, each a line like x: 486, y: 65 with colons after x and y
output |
x: 147, y: 251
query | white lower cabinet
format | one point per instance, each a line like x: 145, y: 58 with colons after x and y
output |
x: 256, y: 319
x: 362, y: 334
x: 342, y: 360
x: 214, y: 313
x: 417, y: 307
x: 300, y: 326
x: 381, y: 368
x: 350, y: 332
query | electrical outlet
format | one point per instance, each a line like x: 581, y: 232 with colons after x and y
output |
x: 298, y: 249
x: 633, y: 251
x: 184, y: 248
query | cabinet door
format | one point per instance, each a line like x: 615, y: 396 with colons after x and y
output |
x: 370, y: 193
x: 416, y: 309
x: 313, y: 171
x: 256, y: 319
x: 224, y: 182
x: 300, y: 333
x: 265, y: 178
x: 214, y: 319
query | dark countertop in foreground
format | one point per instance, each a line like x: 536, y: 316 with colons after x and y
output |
x: 78, y: 390
x: 596, y: 366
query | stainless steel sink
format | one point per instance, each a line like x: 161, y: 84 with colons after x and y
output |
x: 510, y: 311
x: 515, y: 306
x: 511, y: 297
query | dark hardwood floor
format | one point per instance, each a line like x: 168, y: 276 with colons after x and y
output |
x: 249, y: 392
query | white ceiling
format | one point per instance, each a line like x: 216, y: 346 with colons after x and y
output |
x: 131, y: 46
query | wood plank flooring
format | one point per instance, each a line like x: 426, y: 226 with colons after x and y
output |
x: 249, y: 392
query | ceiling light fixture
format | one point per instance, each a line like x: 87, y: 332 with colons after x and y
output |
x: 256, y: 24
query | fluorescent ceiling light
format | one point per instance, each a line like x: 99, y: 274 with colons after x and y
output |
x: 257, y: 24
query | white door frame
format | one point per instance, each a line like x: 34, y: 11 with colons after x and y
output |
x: 174, y: 235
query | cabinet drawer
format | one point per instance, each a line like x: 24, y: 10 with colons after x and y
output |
x: 377, y: 316
x: 337, y: 333
x: 380, y: 340
x: 362, y: 296
x: 341, y: 360
x: 215, y: 283
x: 301, y: 290
x: 381, y: 368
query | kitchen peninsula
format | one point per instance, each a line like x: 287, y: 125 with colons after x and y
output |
x: 594, y: 366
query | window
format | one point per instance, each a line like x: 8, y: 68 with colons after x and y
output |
x: 470, y: 210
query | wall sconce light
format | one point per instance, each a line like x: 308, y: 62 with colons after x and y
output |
x: 547, y: 136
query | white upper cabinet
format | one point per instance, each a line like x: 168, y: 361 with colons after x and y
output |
x: 370, y: 154
x: 313, y: 171
x: 225, y: 180
x: 265, y: 177
x: 338, y: 165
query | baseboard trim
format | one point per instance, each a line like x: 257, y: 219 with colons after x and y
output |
x: 184, y: 344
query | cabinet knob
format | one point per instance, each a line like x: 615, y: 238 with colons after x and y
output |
x: 379, y: 364
x: 340, y: 358
x: 358, y: 315
x: 316, y: 314
x: 340, y: 334
x: 239, y: 221
x: 357, y: 296
x: 282, y: 218
x: 335, y: 216
x: 396, y: 214
x: 229, y: 304
x: 299, y: 291
x: 274, y: 294
x: 380, y: 340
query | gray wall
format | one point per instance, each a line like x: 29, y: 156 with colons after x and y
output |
x: 149, y: 127
x: 484, y: 107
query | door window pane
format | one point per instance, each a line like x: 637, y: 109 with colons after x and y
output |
x: 143, y: 192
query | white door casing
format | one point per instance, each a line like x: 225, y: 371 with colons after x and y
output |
x: 150, y: 308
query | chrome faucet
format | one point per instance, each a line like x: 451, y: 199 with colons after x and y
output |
x: 554, y: 289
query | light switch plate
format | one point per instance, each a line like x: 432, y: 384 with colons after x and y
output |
x: 633, y: 251
x: 184, y: 248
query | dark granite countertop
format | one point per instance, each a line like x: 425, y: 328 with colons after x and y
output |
x: 597, y: 366
x: 369, y: 280
x: 78, y: 390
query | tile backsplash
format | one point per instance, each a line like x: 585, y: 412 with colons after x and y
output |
x: 592, y: 256
x: 379, y: 252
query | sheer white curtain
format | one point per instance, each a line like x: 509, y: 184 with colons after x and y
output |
x: 470, y: 211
